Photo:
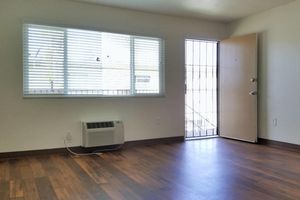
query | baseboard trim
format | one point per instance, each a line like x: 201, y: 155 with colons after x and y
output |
x: 154, y: 141
x: 279, y: 145
x: 129, y: 144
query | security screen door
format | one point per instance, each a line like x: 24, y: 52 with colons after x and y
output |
x: 238, y: 88
x: 201, y: 88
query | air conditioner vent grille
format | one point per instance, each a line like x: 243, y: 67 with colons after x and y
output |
x: 94, y: 125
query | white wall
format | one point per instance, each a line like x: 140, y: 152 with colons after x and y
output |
x: 27, y: 124
x: 279, y: 68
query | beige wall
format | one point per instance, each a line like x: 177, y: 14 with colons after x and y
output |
x: 27, y: 124
x: 279, y: 68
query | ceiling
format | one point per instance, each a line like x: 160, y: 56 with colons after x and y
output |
x: 221, y: 10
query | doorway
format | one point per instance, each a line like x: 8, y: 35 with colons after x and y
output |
x: 201, y: 83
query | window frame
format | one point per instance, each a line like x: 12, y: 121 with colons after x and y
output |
x: 161, y: 69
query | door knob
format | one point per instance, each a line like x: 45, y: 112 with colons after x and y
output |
x: 253, y: 93
x: 253, y: 80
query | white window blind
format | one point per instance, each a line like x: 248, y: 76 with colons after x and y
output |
x: 70, y: 62
x: 146, y: 59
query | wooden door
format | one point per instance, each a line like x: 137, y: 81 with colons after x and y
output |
x: 238, y: 88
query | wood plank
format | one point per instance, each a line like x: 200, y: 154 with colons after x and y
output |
x: 87, y: 166
x: 30, y: 190
x: 16, y: 189
x: 72, y: 186
x: 36, y: 167
x: 207, y: 169
x: 140, y: 190
x: 92, y: 187
x: 45, y: 189
x: 4, y: 170
x: 4, y: 190
x: 14, y: 169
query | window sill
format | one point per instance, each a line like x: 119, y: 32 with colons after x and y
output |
x: 90, y: 96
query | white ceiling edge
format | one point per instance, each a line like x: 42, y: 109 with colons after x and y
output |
x: 224, y: 11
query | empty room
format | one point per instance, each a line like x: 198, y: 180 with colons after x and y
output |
x: 149, y: 100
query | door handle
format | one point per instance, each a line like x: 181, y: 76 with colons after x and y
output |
x: 253, y: 93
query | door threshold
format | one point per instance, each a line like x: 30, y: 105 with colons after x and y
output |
x: 202, y: 138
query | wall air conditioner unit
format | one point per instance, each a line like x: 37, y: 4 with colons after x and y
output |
x: 95, y: 134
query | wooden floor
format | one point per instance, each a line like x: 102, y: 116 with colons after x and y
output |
x: 216, y: 169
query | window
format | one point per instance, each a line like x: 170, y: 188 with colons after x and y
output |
x: 70, y: 62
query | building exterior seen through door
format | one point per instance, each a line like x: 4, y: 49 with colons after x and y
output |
x: 201, y: 88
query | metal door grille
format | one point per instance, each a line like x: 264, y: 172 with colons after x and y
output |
x: 201, y: 88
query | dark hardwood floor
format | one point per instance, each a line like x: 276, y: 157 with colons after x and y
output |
x: 216, y: 169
